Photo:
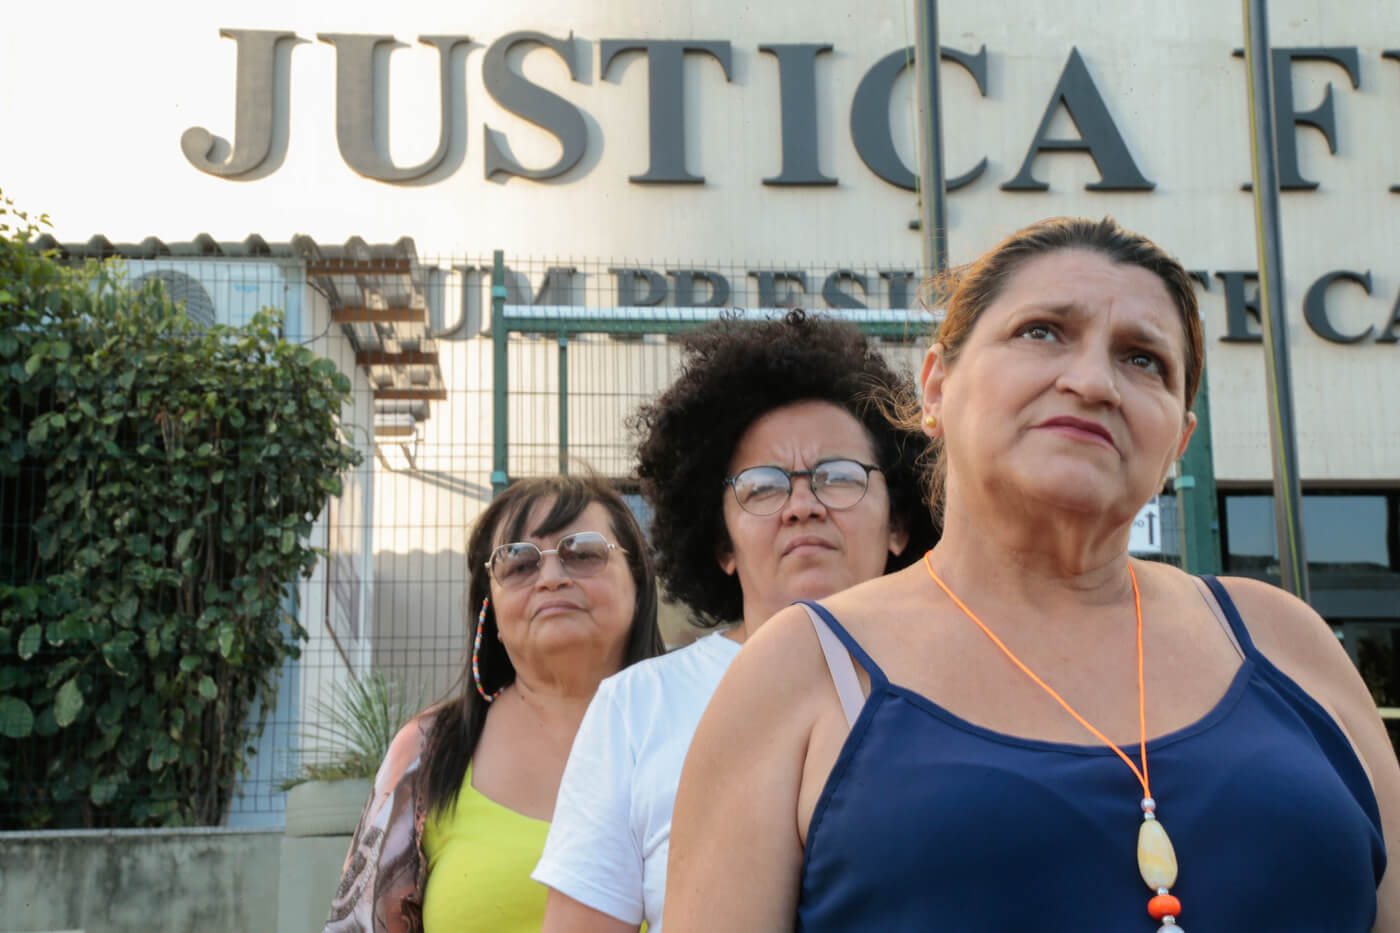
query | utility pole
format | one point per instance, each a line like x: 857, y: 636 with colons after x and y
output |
x: 933, y: 217
x: 1288, y: 513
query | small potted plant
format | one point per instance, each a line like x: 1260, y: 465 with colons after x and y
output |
x: 359, y: 720
x: 327, y: 795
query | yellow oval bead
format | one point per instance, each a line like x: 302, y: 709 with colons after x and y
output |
x: 1156, y: 857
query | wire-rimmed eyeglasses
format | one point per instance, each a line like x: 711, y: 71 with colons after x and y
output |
x: 838, y: 484
x: 582, y: 554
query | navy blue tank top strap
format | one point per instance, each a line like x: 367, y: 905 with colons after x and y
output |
x: 1325, y: 730
x: 1232, y: 615
x: 877, y: 676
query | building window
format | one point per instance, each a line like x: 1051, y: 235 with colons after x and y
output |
x: 1374, y: 648
x: 1352, y: 541
x: 1344, y: 532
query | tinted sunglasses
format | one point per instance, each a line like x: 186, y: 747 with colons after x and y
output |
x: 582, y: 554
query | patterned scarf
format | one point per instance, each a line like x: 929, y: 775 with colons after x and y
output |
x: 381, y: 885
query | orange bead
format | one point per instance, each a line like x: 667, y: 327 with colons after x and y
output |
x: 1164, y: 905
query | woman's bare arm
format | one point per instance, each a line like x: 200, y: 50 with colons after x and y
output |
x: 563, y: 914
x: 736, y: 855
x: 1301, y: 644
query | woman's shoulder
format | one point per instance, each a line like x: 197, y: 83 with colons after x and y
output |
x: 882, y: 601
x: 419, y: 727
x: 772, y: 692
x: 1278, y: 622
x: 709, y: 648
x: 705, y: 658
x: 1256, y: 591
x: 407, y: 746
x: 1299, y: 642
x: 778, y: 657
x: 785, y: 653
x: 1288, y: 633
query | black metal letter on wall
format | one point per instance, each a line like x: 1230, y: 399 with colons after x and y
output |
x: 1389, y: 335
x: 685, y: 280
x: 627, y: 280
x: 797, y: 81
x: 362, y: 125
x: 1393, y: 55
x: 1098, y: 136
x: 666, y: 99
x: 1315, y: 306
x: 1287, y: 115
x: 835, y: 297
x: 541, y: 107
x: 870, y: 115
x: 1240, y: 307
x: 255, y: 104
x: 897, y: 281
x: 768, y: 280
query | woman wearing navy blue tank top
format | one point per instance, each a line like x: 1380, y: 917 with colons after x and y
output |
x: 1042, y: 732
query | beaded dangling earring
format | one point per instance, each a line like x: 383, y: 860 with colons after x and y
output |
x: 476, y: 652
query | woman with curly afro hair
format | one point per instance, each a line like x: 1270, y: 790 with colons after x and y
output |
x: 773, y: 476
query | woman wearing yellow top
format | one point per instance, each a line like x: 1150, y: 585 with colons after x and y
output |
x: 562, y: 594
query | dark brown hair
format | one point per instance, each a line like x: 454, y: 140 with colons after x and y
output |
x: 734, y: 372
x: 458, y: 721
x: 969, y: 290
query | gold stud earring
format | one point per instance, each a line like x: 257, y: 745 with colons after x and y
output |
x: 931, y: 421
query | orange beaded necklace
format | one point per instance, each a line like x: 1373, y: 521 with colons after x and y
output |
x: 1156, y: 857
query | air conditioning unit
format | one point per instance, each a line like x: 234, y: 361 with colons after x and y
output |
x: 228, y: 291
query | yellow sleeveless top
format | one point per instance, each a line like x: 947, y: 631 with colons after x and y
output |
x: 480, y: 856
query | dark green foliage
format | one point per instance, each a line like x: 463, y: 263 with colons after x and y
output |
x: 158, y: 483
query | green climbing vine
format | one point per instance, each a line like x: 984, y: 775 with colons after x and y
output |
x: 158, y: 484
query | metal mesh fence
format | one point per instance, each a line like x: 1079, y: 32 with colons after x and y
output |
x: 595, y: 340
x: 465, y: 373
x: 421, y: 341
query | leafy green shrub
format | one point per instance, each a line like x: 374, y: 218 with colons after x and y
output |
x: 160, y: 482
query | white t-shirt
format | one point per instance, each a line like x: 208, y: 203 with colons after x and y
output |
x: 611, y: 830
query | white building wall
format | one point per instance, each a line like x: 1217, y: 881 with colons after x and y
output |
x: 329, y: 659
x: 422, y: 519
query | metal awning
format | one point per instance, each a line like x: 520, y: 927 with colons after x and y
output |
x: 376, y: 294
